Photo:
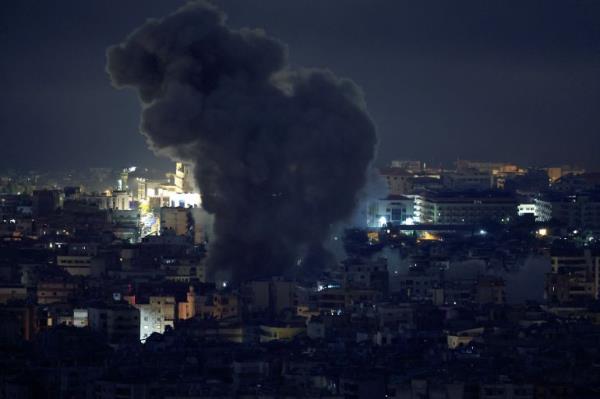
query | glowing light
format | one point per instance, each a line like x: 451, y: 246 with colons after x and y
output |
x: 181, y: 199
x: 144, y: 206
x: 224, y: 284
x: 409, y: 222
x: 429, y: 237
x: 482, y: 232
x: 373, y: 236
x: 382, y: 221
x: 542, y: 232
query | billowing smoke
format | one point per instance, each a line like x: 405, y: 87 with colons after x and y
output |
x: 279, y: 153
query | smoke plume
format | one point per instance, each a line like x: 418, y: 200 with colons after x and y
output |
x: 279, y: 152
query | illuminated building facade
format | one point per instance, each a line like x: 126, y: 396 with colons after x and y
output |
x: 395, y: 209
x: 184, y: 177
x: 464, y: 208
x: 156, y: 315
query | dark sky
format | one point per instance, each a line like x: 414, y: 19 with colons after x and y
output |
x: 500, y: 80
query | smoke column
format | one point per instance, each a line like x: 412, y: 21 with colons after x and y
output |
x: 280, y: 153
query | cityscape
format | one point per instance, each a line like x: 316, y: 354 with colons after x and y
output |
x: 476, y: 281
x: 272, y: 251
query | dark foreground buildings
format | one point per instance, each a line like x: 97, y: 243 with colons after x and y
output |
x: 468, y: 291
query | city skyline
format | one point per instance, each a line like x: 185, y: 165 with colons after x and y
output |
x: 340, y: 199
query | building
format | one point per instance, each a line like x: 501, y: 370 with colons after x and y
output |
x: 46, y: 201
x: 155, y: 316
x: 101, y: 201
x: 575, y: 276
x: 58, y: 291
x: 418, y: 286
x: 184, y: 177
x: 123, y: 181
x: 185, y: 270
x: 490, y: 290
x: 118, y: 322
x: 209, y: 305
x: 337, y: 300
x: 411, y: 166
x: 80, y: 317
x: 575, y: 211
x: 556, y: 172
x: 365, y: 274
x: 126, y: 224
x: 398, y: 180
x: 463, y: 338
x: 120, y: 200
x: 482, y: 166
x: 467, y: 179
x: 12, y: 292
x: 465, y: 207
x: 18, y: 321
x: 527, y: 209
x: 505, y: 174
x: 176, y: 220
x: 575, y: 183
x: 75, y: 265
x: 271, y: 296
x: 281, y: 331
x: 395, y: 209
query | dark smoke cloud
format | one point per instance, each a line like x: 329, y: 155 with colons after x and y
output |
x: 279, y: 153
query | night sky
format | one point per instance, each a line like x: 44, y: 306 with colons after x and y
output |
x: 498, y: 80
